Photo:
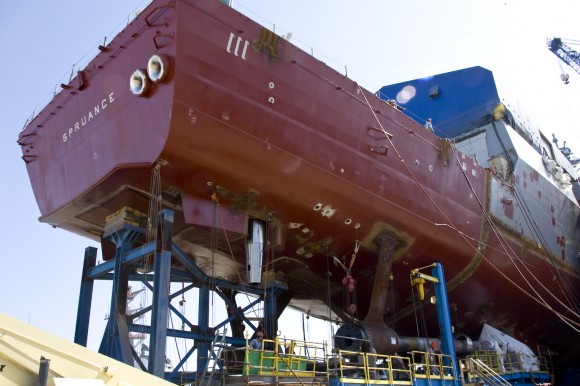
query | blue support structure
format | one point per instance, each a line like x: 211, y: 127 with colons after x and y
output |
x: 115, y: 342
x: 161, y: 290
x: 273, y: 291
x: 85, y: 298
x: 444, y: 317
x: 132, y: 252
x: 203, y: 325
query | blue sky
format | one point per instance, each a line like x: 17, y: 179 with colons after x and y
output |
x: 382, y: 42
x: 378, y: 42
x: 41, y: 266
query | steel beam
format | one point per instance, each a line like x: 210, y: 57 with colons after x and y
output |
x: 273, y: 290
x: 203, y: 325
x: 121, y: 270
x: 444, y: 317
x: 160, y: 308
x: 115, y: 342
x: 85, y: 298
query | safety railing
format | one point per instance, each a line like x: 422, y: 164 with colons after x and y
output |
x: 306, y: 361
x: 278, y: 358
x: 512, y: 362
x: 474, y: 370
x: 375, y: 369
x: 388, y: 369
x: 350, y: 366
x: 432, y: 366
x: 504, y: 369
x: 544, y: 366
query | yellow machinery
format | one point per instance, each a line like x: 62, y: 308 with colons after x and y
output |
x: 30, y: 356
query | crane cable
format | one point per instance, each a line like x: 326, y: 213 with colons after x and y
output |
x: 502, y: 240
x: 533, y: 228
x: 215, y: 200
x: 388, y: 137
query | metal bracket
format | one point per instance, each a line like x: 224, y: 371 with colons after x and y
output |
x: 154, y: 10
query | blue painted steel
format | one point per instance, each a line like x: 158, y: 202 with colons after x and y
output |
x: 175, y: 373
x: 444, y: 317
x: 159, y: 314
x: 335, y: 381
x: 183, y: 378
x: 237, y: 312
x: 184, y: 259
x: 115, y: 342
x: 273, y: 290
x: 457, y: 102
x: 85, y: 298
x: 129, y: 257
x: 182, y: 317
x: 203, y: 324
x: 182, y: 334
x: 526, y: 378
x: 566, y: 53
x: 189, y: 264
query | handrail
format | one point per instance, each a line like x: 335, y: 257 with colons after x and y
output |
x: 473, y: 366
x: 376, y: 369
x: 298, y: 359
x: 510, y: 363
x: 432, y: 365
x: 282, y: 358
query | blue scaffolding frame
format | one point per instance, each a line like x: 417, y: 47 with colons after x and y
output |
x: 122, y: 269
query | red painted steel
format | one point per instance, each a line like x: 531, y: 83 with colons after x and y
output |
x: 272, y: 132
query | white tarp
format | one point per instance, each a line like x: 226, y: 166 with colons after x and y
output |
x: 514, y: 355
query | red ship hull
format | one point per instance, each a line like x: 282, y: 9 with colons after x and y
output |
x: 249, y: 126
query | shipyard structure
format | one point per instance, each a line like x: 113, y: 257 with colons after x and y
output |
x: 199, y: 147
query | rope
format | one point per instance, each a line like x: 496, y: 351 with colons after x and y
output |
x: 567, y: 320
x: 231, y: 253
x: 502, y: 240
x: 328, y: 297
x: 531, y: 224
x: 409, y: 171
x: 154, y: 208
x: 567, y: 291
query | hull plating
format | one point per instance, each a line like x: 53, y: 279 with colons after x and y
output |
x: 249, y: 124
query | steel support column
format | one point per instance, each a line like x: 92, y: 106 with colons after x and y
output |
x: 115, y: 342
x: 203, y: 325
x: 273, y: 290
x: 160, y: 307
x: 444, y: 317
x: 85, y: 298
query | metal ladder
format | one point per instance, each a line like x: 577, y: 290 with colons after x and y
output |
x: 215, y: 357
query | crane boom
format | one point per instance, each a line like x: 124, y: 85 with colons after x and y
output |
x: 565, y: 53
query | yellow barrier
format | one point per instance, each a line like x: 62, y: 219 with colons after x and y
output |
x: 300, y: 359
x: 432, y: 366
x: 286, y: 358
x: 508, y: 363
x: 368, y: 368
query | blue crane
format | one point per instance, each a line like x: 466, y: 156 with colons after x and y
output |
x: 566, y: 54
